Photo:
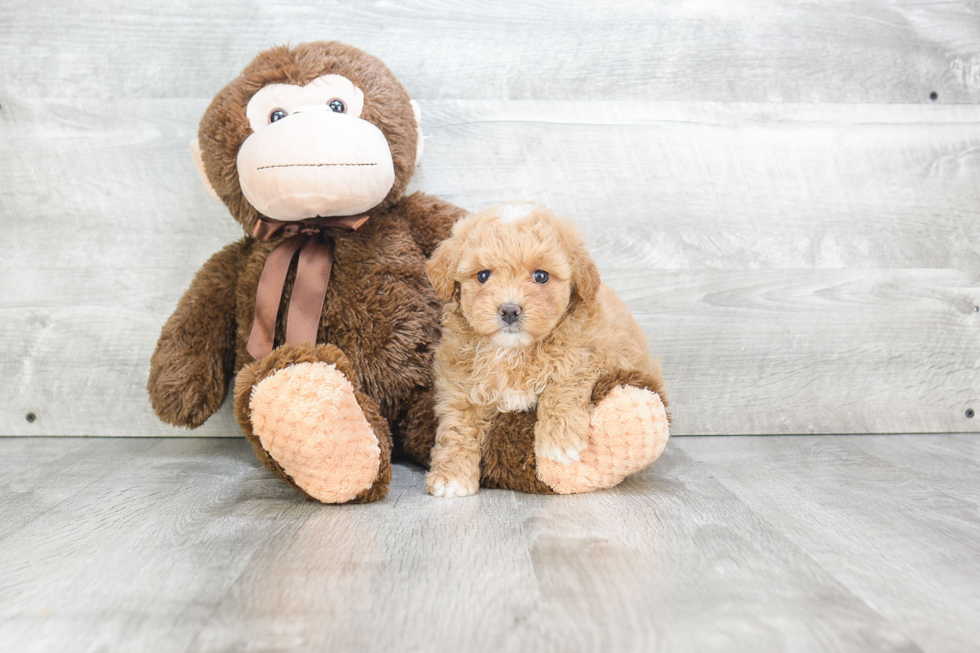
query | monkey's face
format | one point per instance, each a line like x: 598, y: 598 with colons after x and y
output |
x: 310, y: 154
x: 316, y: 130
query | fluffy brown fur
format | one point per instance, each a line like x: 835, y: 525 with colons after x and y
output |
x: 381, y: 316
x: 571, y: 331
x: 507, y: 459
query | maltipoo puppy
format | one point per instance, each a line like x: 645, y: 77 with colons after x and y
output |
x: 530, y: 326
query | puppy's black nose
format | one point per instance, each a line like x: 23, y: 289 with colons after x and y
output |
x: 510, y: 313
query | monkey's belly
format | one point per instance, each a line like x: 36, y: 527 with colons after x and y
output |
x: 388, y: 329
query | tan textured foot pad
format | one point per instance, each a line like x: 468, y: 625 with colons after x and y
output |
x: 629, y: 432
x: 308, y: 420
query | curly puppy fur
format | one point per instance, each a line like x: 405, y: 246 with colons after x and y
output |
x: 527, y: 325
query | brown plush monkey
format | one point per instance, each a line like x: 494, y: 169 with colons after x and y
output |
x: 320, y: 130
x: 323, y: 309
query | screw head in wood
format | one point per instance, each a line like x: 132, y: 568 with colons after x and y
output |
x: 31, y: 417
x: 969, y: 413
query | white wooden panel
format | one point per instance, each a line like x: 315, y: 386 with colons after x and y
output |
x: 801, y: 265
x: 106, y: 224
x: 730, y: 186
x: 813, y: 351
x: 800, y: 268
x: 722, y: 50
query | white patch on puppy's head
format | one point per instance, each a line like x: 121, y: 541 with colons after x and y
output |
x: 513, y: 212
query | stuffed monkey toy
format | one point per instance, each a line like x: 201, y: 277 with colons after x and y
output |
x: 323, y: 309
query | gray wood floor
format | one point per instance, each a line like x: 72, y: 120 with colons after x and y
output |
x: 803, y: 543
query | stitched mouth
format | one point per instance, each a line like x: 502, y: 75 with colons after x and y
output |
x: 315, y: 165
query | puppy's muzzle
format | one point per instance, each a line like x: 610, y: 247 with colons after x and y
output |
x: 510, y: 313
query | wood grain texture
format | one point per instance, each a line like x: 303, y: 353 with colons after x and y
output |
x: 887, y: 531
x: 132, y: 560
x: 714, y: 50
x: 812, y: 351
x: 799, y: 268
x: 44, y: 473
x: 726, y: 544
x: 730, y: 186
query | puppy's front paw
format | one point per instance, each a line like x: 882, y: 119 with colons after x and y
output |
x: 565, y: 455
x: 441, y: 485
x: 562, y: 440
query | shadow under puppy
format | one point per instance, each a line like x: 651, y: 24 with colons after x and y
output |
x: 529, y: 326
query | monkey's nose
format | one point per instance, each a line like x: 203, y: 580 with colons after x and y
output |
x: 510, y: 313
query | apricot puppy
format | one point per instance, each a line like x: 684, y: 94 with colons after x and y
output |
x: 529, y: 326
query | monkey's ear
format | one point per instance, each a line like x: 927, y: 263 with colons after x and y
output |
x: 441, y: 268
x: 417, y: 110
x: 586, y: 276
x: 199, y: 165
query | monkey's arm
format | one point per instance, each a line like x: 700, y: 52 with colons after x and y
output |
x: 430, y: 219
x: 195, y: 355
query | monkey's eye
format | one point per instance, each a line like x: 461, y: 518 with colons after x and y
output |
x: 540, y: 276
x: 482, y: 276
x: 278, y: 114
x: 337, y: 105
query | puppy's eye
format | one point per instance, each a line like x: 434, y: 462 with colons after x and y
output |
x: 278, y: 114
x: 337, y: 106
x: 482, y: 276
x: 540, y: 276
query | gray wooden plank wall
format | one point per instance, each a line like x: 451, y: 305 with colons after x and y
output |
x: 793, y: 219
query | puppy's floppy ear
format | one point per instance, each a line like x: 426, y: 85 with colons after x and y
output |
x: 441, y: 269
x: 585, y: 275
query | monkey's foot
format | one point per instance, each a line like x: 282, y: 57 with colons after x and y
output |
x: 307, y: 418
x: 629, y: 432
x: 308, y: 424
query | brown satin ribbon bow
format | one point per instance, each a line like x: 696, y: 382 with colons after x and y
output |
x: 314, y: 238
